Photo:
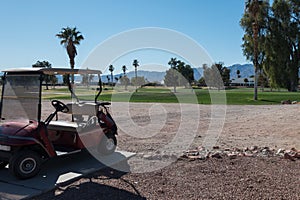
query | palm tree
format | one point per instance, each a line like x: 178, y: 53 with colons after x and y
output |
x: 135, y: 64
x: 171, y: 75
x: 124, y: 68
x: 69, y: 38
x: 173, y: 63
x: 253, y: 8
x: 238, y: 72
x: 111, y: 69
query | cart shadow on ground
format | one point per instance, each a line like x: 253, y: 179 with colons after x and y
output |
x: 62, y: 171
x: 92, y: 182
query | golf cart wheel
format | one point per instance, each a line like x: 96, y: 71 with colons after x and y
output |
x: 3, y: 164
x: 108, y: 144
x: 25, y: 164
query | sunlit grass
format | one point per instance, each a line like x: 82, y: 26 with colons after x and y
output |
x: 241, y: 96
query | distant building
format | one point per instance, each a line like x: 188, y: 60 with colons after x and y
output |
x: 241, y: 82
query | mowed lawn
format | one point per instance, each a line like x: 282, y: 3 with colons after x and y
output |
x: 241, y: 96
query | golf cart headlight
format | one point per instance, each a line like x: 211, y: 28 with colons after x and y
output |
x: 4, y: 148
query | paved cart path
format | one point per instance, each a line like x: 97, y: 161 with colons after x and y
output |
x: 55, y: 172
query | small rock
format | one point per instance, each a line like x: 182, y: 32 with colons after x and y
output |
x: 241, y: 154
x: 297, y: 155
x: 184, y: 156
x: 200, y: 148
x: 216, y: 155
x: 148, y: 157
x: 248, y: 154
x: 265, y: 152
x: 280, y: 151
x: 289, y: 157
x: 237, y: 150
x: 232, y: 156
x: 193, y: 157
x: 286, y: 102
x: 253, y: 148
x: 207, y: 155
x: 156, y: 157
x: 216, y: 147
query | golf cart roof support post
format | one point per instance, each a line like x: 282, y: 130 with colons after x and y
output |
x: 40, y: 100
x: 70, y: 86
x: 100, y: 88
x: 2, y: 94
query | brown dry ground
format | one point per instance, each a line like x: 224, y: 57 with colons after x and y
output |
x: 273, y: 126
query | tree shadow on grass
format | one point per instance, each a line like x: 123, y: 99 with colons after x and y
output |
x: 269, y: 101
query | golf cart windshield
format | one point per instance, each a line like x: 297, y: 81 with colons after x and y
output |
x: 22, y: 90
x: 20, y: 97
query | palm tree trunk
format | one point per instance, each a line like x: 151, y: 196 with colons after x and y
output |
x: 112, y: 79
x: 135, y: 79
x: 255, y: 38
x: 255, y: 84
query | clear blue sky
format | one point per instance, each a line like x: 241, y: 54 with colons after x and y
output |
x: 28, y: 27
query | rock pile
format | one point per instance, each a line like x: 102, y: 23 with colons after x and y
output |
x: 254, y: 151
x: 289, y: 102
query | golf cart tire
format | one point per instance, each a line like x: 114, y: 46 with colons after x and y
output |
x: 108, y: 144
x: 3, y: 164
x: 25, y: 164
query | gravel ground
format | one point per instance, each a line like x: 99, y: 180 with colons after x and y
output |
x: 218, y: 177
x: 241, y: 178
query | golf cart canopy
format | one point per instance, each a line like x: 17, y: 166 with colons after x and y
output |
x: 52, y: 71
x: 22, y: 90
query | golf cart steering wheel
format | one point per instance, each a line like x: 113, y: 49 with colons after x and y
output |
x: 60, y: 106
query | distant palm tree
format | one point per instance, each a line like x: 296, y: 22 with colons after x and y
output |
x: 135, y: 64
x: 111, y: 69
x: 124, y: 68
x: 238, y: 72
x: 69, y: 38
x: 171, y: 75
x: 173, y: 63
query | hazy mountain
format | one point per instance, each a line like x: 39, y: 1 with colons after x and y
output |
x: 246, y: 70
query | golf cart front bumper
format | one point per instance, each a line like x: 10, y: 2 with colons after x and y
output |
x: 5, y: 152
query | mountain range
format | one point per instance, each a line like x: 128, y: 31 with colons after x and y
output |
x: 246, y: 70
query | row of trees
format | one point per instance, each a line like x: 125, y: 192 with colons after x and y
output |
x: 216, y: 76
x: 70, y: 37
x: 48, y: 78
x: 272, y: 41
x: 124, y: 69
x: 180, y: 74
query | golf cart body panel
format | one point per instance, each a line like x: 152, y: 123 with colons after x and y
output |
x: 25, y: 135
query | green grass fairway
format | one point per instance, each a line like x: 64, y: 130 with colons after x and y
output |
x: 237, y: 97
x: 242, y: 96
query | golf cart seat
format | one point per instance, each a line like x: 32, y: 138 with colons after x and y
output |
x: 85, y: 108
x: 63, y: 126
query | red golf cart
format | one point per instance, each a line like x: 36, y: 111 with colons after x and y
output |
x: 27, y: 140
